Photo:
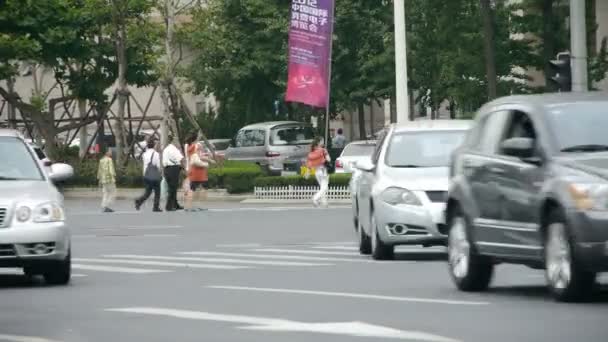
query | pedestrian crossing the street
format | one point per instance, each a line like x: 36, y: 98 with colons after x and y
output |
x: 241, y: 257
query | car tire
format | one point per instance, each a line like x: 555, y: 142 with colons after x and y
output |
x: 60, y: 273
x: 365, y: 244
x: 566, y: 278
x: 380, y: 250
x: 470, y: 271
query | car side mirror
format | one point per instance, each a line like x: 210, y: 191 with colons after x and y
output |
x: 47, y: 162
x: 365, y: 165
x: 522, y: 148
x: 60, y: 172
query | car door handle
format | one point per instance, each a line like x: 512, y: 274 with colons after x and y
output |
x: 496, y: 170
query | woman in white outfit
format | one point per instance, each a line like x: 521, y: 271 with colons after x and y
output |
x: 317, y: 158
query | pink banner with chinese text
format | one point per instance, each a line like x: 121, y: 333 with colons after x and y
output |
x: 310, y: 42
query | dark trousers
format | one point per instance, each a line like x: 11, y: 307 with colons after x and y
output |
x: 172, y: 177
x: 151, y: 186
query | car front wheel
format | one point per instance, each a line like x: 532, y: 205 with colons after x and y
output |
x: 567, y: 280
x: 469, y: 270
x: 60, y: 273
x: 380, y: 250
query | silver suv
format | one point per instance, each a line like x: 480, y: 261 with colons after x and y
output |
x: 275, y: 146
x: 33, y: 232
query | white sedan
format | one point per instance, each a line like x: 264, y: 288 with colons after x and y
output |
x: 354, y: 152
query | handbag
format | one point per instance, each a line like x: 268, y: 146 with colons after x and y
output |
x: 195, y: 160
x: 152, y: 171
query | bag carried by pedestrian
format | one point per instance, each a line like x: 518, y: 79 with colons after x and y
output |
x: 152, y: 173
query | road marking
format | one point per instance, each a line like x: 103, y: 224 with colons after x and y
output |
x: 351, y: 295
x: 300, y: 251
x: 214, y: 260
x: 239, y: 245
x: 159, y: 263
x: 341, y: 248
x: 356, y: 329
x: 116, y: 269
x: 78, y: 275
x: 277, y: 256
x: 213, y: 210
x: 160, y: 235
x: 15, y: 338
x: 137, y: 227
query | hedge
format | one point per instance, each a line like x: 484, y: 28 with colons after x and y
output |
x: 335, y: 180
x: 235, y: 177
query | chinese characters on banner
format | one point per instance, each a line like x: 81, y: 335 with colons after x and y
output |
x: 310, y: 39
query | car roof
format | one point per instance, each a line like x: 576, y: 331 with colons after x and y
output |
x: 5, y: 132
x: 362, y: 142
x: 433, y: 125
x: 545, y: 101
x: 273, y: 124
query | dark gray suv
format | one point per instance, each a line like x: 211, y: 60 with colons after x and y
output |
x: 530, y: 186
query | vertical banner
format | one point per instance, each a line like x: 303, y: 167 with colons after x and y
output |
x: 310, y: 44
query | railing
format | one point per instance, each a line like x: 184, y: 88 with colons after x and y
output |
x: 299, y: 193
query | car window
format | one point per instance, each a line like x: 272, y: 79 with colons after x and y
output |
x: 378, y: 148
x: 491, y: 132
x: 520, y: 126
x: 291, y: 135
x: 364, y: 150
x: 579, y: 126
x: 250, y: 138
x: 423, y: 149
x: 18, y: 163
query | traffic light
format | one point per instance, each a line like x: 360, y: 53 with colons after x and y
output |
x: 562, y: 72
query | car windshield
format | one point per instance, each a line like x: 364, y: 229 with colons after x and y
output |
x: 580, y: 127
x: 18, y: 163
x: 358, y: 150
x: 291, y: 135
x: 221, y: 145
x: 423, y: 149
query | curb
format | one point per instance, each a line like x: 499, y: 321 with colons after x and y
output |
x: 271, y: 201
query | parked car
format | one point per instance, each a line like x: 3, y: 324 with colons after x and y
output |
x: 352, y: 153
x: 530, y: 186
x: 401, y: 191
x: 219, y: 145
x: 275, y: 146
x: 33, y: 232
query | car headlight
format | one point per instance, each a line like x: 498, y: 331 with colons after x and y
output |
x: 23, y: 214
x: 48, y: 212
x: 396, y: 196
x: 588, y: 196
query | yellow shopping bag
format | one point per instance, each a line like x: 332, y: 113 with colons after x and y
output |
x: 306, y: 171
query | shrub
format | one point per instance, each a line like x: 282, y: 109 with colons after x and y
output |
x: 335, y: 180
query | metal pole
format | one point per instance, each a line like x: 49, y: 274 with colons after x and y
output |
x: 401, y: 62
x: 578, y: 45
x: 331, y: 45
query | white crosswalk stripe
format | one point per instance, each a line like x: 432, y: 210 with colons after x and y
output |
x: 214, y: 260
x: 300, y: 251
x: 158, y: 263
x: 101, y: 268
x: 354, y: 258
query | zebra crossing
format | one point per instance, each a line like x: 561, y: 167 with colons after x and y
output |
x: 245, y: 257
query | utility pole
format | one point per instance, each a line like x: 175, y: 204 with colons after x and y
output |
x: 578, y: 45
x: 403, y: 107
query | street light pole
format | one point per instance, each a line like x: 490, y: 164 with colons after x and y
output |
x: 401, y: 62
x: 578, y: 45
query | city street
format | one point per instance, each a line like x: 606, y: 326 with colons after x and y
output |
x: 270, y: 273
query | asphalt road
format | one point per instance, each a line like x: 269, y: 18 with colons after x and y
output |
x: 257, y: 273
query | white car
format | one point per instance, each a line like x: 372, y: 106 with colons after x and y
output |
x: 401, y: 192
x: 354, y: 152
x: 33, y: 232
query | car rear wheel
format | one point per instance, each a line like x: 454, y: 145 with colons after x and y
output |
x: 365, y: 246
x: 469, y: 270
x: 566, y: 279
x: 380, y: 250
x: 60, y: 273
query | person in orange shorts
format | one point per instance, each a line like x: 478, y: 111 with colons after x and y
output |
x: 198, y: 176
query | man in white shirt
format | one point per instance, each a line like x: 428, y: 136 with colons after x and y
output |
x: 152, y: 175
x: 172, y: 162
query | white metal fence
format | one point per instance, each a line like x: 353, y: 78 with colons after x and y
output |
x: 299, y: 193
